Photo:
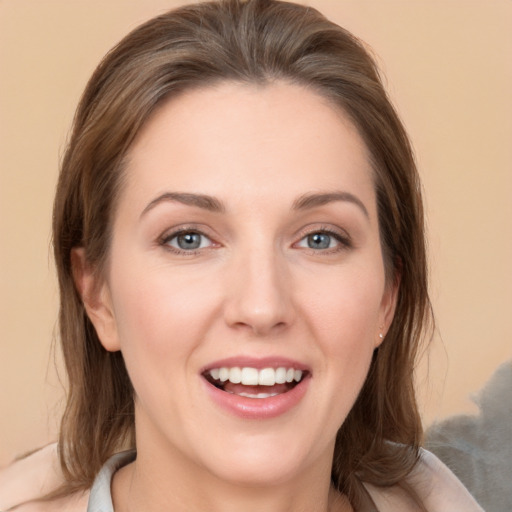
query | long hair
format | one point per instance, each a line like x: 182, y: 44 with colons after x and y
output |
x: 252, y: 41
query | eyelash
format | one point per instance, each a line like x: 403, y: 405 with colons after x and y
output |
x: 166, y: 239
x: 344, y: 241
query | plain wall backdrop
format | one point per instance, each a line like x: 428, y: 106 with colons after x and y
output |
x: 447, y: 66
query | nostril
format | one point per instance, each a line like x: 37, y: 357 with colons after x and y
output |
x: 260, y: 326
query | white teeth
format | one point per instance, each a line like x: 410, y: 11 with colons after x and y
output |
x: 267, y: 377
x: 250, y: 376
x: 235, y: 375
x: 280, y: 375
x: 259, y: 395
x: 223, y: 374
x: 254, y: 377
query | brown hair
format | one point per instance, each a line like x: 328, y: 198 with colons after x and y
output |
x: 256, y: 41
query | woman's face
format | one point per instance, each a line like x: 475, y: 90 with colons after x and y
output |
x: 245, y: 247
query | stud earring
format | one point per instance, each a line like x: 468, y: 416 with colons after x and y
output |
x: 381, y: 336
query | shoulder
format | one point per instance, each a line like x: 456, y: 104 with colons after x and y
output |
x: 434, y: 484
x: 26, y: 480
x: 73, y: 503
x: 439, y: 488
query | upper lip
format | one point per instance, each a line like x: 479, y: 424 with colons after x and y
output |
x: 256, y: 362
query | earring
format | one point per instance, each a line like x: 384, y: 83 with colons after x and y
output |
x: 381, y: 336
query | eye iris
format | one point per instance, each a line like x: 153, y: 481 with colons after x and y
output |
x: 319, y: 241
x: 189, y: 241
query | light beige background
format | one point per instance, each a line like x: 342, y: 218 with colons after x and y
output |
x: 448, y: 70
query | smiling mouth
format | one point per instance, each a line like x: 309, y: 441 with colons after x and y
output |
x: 253, y: 382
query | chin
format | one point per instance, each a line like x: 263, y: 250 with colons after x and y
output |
x: 260, y: 473
x: 261, y: 462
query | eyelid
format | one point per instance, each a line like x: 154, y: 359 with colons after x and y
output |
x: 169, y: 234
x: 341, y: 236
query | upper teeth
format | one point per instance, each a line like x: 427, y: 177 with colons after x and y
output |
x: 255, y: 377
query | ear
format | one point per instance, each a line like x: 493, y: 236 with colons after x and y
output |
x: 387, y: 308
x: 96, y: 298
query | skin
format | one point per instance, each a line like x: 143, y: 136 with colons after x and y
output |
x: 254, y: 288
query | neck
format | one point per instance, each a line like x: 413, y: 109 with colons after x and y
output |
x: 132, y: 491
x: 158, y: 481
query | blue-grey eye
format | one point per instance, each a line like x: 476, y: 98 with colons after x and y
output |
x: 189, y: 241
x: 319, y: 241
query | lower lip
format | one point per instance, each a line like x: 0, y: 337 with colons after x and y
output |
x: 258, y: 408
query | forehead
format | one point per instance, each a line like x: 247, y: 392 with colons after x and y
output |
x: 249, y: 141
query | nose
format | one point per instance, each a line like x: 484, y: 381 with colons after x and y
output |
x: 260, y: 294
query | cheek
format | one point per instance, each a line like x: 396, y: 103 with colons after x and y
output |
x: 344, y: 320
x: 345, y: 308
x: 161, y: 321
x: 161, y: 315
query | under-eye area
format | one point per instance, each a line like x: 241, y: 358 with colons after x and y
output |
x: 254, y: 382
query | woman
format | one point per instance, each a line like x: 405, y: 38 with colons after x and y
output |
x: 238, y: 233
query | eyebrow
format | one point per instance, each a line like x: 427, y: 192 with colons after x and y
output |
x: 210, y: 203
x: 199, y: 200
x: 314, y: 200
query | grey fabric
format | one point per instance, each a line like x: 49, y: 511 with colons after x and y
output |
x: 100, y: 499
x: 478, y: 449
